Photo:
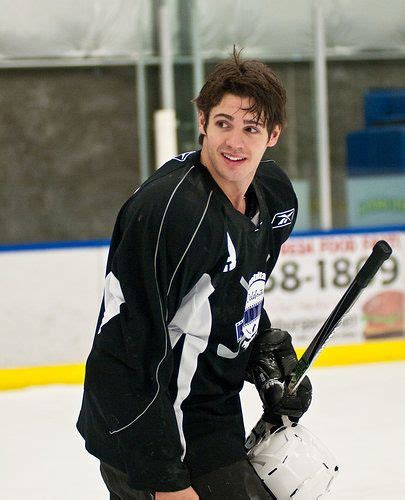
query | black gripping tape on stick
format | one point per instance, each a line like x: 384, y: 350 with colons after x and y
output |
x: 381, y: 252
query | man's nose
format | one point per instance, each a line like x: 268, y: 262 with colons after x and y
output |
x: 235, y: 139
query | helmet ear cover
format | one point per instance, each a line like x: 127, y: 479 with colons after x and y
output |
x: 293, y: 463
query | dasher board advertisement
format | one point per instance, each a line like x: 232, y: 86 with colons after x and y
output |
x: 312, y: 274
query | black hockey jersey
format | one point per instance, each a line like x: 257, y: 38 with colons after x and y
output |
x: 182, y: 304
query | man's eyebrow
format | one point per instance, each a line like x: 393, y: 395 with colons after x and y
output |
x: 253, y: 122
x: 224, y: 115
x: 246, y: 122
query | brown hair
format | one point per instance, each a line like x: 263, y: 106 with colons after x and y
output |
x: 248, y: 78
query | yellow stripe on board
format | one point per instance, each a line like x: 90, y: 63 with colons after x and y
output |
x: 367, y: 352
x: 17, y: 378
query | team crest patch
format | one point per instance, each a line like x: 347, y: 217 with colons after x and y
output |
x: 282, y: 219
x: 247, y: 328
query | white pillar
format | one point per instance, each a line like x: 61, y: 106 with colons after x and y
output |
x: 165, y: 135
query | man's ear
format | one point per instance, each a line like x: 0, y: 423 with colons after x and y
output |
x: 275, y: 134
x: 201, y: 123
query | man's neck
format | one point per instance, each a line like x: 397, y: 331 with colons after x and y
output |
x: 234, y: 191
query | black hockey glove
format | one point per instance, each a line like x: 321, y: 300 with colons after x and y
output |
x: 271, y: 362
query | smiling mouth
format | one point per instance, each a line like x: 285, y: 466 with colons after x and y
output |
x: 234, y: 159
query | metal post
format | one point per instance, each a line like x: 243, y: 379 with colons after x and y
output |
x: 165, y: 50
x: 142, y: 120
x: 198, y: 62
x: 322, y: 126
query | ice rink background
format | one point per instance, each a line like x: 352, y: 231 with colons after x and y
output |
x: 357, y: 411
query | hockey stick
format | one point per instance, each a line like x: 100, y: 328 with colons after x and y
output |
x: 380, y: 253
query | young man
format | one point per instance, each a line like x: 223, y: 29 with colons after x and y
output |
x: 182, y: 324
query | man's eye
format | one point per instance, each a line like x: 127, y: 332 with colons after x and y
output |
x: 252, y: 130
x: 222, y: 124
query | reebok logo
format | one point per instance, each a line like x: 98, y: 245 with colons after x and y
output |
x: 282, y: 219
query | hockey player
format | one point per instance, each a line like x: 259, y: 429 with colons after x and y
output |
x: 182, y: 323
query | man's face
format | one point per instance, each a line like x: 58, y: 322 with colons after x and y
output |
x: 234, y: 143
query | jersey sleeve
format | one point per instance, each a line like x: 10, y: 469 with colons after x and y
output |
x: 155, y: 259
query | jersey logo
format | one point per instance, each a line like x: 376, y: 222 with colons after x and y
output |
x: 231, y: 261
x: 248, y: 326
x: 282, y: 219
x: 183, y: 156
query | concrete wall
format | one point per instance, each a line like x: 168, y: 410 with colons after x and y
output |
x: 68, y: 151
x: 68, y: 140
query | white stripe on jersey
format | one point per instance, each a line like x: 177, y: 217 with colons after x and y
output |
x: 161, y: 302
x: 195, y: 320
x: 113, y: 298
x: 191, y: 240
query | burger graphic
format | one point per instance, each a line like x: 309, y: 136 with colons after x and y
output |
x: 384, y: 315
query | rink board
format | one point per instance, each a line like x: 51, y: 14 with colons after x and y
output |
x: 53, y: 293
x: 18, y: 378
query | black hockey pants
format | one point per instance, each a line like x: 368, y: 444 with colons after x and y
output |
x: 237, y: 481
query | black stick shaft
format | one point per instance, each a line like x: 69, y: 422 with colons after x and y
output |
x: 380, y: 253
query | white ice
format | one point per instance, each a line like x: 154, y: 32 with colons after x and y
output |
x: 358, y: 412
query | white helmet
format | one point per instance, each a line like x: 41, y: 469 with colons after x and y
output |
x: 293, y: 463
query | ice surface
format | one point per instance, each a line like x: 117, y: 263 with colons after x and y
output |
x: 358, y: 412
